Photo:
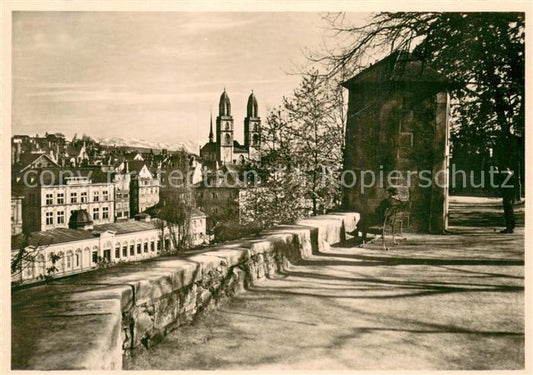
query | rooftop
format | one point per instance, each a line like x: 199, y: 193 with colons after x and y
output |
x: 128, y: 226
x: 63, y: 235
x: 60, y: 176
x: 399, y: 66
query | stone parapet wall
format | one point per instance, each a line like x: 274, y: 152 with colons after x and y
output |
x: 92, y: 320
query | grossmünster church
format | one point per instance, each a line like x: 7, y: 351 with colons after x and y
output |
x: 225, y: 149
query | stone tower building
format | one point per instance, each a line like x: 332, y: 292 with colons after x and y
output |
x: 397, y: 120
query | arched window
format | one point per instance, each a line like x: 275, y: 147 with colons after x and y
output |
x: 69, y: 259
x: 256, y: 139
x: 228, y: 139
x: 41, y: 265
x: 86, y: 261
x: 60, y: 262
x: 227, y: 125
x: 77, y: 264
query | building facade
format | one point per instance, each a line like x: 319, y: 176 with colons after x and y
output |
x: 121, y: 182
x: 82, y: 250
x: 220, y: 203
x: 49, y: 206
x: 144, y: 187
x: 73, y: 251
x: 198, y: 228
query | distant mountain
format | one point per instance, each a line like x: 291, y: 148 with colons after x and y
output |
x: 189, y: 146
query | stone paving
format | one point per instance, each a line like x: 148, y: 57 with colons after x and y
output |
x: 452, y: 302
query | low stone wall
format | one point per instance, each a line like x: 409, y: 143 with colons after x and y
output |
x: 92, y: 320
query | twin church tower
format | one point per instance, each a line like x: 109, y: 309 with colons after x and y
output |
x: 225, y: 149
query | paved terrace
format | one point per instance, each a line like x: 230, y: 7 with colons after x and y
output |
x: 451, y: 302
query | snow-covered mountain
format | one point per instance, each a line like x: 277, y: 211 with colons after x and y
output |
x: 189, y: 146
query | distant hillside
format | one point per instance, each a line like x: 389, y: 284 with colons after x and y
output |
x: 189, y: 146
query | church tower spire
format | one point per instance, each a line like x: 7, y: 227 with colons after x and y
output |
x: 224, y: 106
x: 224, y: 130
x: 252, y: 128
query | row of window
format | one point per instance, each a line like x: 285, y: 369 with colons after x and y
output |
x: 148, y: 182
x: 70, y: 261
x: 125, y: 195
x: 148, y: 191
x: 126, y: 214
x: 60, y: 197
x: 74, y: 260
x: 139, y: 247
x: 96, y: 213
x: 60, y: 216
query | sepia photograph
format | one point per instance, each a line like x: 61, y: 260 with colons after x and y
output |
x: 265, y: 187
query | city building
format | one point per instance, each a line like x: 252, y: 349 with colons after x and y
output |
x: 83, y: 250
x: 225, y: 149
x: 84, y: 246
x: 28, y: 161
x: 198, y: 228
x: 144, y: 187
x: 220, y: 195
x: 121, y: 182
x: 52, y: 195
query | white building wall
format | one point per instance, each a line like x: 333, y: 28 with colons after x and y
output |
x: 79, y: 256
x: 92, y: 190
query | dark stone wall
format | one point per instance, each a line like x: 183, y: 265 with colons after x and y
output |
x: 400, y: 126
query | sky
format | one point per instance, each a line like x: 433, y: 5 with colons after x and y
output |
x: 152, y: 76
